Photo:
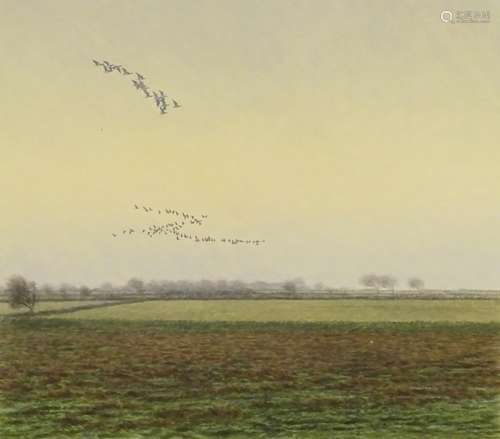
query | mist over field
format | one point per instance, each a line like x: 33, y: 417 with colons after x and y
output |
x: 353, y: 138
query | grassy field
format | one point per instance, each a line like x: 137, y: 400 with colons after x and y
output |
x: 89, y: 379
x: 392, y: 369
x: 301, y: 310
x: 47, y: 306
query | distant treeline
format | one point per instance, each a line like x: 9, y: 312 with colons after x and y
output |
x: 381, y: 286
x: 136, y: 287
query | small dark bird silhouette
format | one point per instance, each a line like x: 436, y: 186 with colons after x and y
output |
x: 159, y: 100
x: 114, y: 235
x: 140, y: 77
x: 125, y: 71
x: 108, y: 67
x: 176, y: 104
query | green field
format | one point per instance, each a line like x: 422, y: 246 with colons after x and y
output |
x: 301, y: 310
x: 174, y: 369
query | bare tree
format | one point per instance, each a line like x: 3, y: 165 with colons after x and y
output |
x: 21, y: 292
x: 205, y: 286
x: 300, y: 284
x: 370, y: 281
x: 136, y: 284
x: 387, y: 281
x: 290, y: 286
x: 85, y: 292
x: 415, y: 283
x: 65, y: 289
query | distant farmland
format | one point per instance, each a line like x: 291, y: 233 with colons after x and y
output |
x: 301, y: 310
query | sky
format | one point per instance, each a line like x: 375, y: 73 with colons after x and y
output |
x: 353, y: 136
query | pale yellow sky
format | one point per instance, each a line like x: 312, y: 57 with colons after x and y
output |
x: 353, y: 136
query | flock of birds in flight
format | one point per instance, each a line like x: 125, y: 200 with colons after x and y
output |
x: 176, y: 228
x: 160, y: 98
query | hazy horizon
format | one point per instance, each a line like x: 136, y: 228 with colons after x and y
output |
x: 353, y: 138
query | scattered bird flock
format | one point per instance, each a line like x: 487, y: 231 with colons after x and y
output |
x: 176, y: 228
x: 160, y: 98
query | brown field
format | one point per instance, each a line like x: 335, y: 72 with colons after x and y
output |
x: 246, y: 380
